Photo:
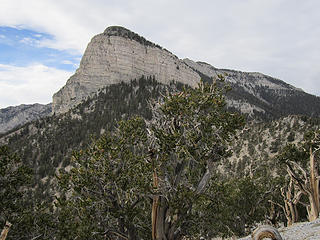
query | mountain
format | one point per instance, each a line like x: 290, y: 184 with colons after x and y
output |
x: 119, y: 73
x: 119, y: 55
x: 12, y: 117
x: 46, y: 144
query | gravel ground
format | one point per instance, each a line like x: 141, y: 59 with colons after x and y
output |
x: 299, y: 231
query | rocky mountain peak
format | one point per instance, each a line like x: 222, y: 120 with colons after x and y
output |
x: 119, y: 55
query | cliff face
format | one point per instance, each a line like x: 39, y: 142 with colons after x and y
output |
x: 120, y: 55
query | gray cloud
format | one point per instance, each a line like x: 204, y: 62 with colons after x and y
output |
x: 276, y: 37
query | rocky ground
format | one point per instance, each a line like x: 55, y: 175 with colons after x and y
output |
x: 299, y: 231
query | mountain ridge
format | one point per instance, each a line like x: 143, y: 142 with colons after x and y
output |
x: 120, y: 55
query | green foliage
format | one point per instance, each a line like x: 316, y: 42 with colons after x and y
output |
x: 183, y: 137
x: 107, y: 188
x: 14, y: 178
x: 233, y: 206
x: 40, y: 143
x: 17, y: 204
x: 293, y: 153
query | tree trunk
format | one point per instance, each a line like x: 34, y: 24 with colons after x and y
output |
x: 314, y: 189
x: 5, y: 231
x: 308, y: 185
x: 160, y: 227
x: 291, y: 198
x: 155, y: 204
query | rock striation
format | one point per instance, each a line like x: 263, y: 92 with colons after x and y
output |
x: 12, y: 117
x: 119, y: 55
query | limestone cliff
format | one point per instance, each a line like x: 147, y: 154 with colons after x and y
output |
x: 120, y: 55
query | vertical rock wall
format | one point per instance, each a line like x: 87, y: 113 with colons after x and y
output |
x: 118, y: 55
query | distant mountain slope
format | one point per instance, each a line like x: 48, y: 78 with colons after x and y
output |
x: 260, y: 95
x: 12, y: 117
x: 260, y: 141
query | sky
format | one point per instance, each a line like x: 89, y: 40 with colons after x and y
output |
x: 42, y: 41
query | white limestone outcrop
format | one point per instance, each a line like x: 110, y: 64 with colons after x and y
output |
x: 115, y: 56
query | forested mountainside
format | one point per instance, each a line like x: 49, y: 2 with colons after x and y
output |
x: 258, y: 144
x: 46, y: 144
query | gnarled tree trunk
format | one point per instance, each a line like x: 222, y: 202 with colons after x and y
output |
x: 291, y: 197
x: 313, y: 211
x: 308, y: 184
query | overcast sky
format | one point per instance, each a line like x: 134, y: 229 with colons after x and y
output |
x: 42, y: 41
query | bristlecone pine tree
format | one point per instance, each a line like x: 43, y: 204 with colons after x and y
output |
x: 189, y: 133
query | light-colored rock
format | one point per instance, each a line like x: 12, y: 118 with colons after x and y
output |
x: 299, y: 231
x: 266, y: 231
x: 244, y: 107
x: 119, y: 55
